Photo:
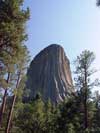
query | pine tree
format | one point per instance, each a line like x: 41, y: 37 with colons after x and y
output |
x: 31, y: 117
x: 69, y: 118
x: 21, y: 66
x: 49, y: 117
x: 96, y: 122
x: 83, y: 83
x: 12, y: 36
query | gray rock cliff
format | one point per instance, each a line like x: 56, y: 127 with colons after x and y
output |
x: 50, y: 74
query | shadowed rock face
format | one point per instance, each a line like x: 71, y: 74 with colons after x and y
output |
x: 50, y: 74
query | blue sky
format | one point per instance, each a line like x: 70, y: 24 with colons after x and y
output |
x: 75, y: 24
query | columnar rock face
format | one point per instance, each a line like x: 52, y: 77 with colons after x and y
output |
x: 50, y: 75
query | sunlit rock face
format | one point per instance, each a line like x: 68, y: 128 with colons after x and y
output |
x: 50, y: 75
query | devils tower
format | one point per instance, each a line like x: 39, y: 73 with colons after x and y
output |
x: 50, y: 75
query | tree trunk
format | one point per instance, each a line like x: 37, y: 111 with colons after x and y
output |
x: 10, y: 115
x: 12, y: 108
x: 85, y: 115
x: 4, y: 102
x: 85, y: 102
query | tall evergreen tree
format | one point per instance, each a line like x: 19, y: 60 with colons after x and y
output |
x: 83, y: 82
x: 96, y: 124
x: 21, y: 66
x: 12, y: 35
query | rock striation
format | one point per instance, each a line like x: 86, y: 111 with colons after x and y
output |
x: 50, y: 75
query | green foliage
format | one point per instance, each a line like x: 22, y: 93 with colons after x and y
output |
x: 12, y: 33
x: 37, y: 116
x: 69, y: 116
x: 71, y: 128
x: 83, y: 82
x: 30, y: 117
x: 13, y: 52
x: 40, y: 117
